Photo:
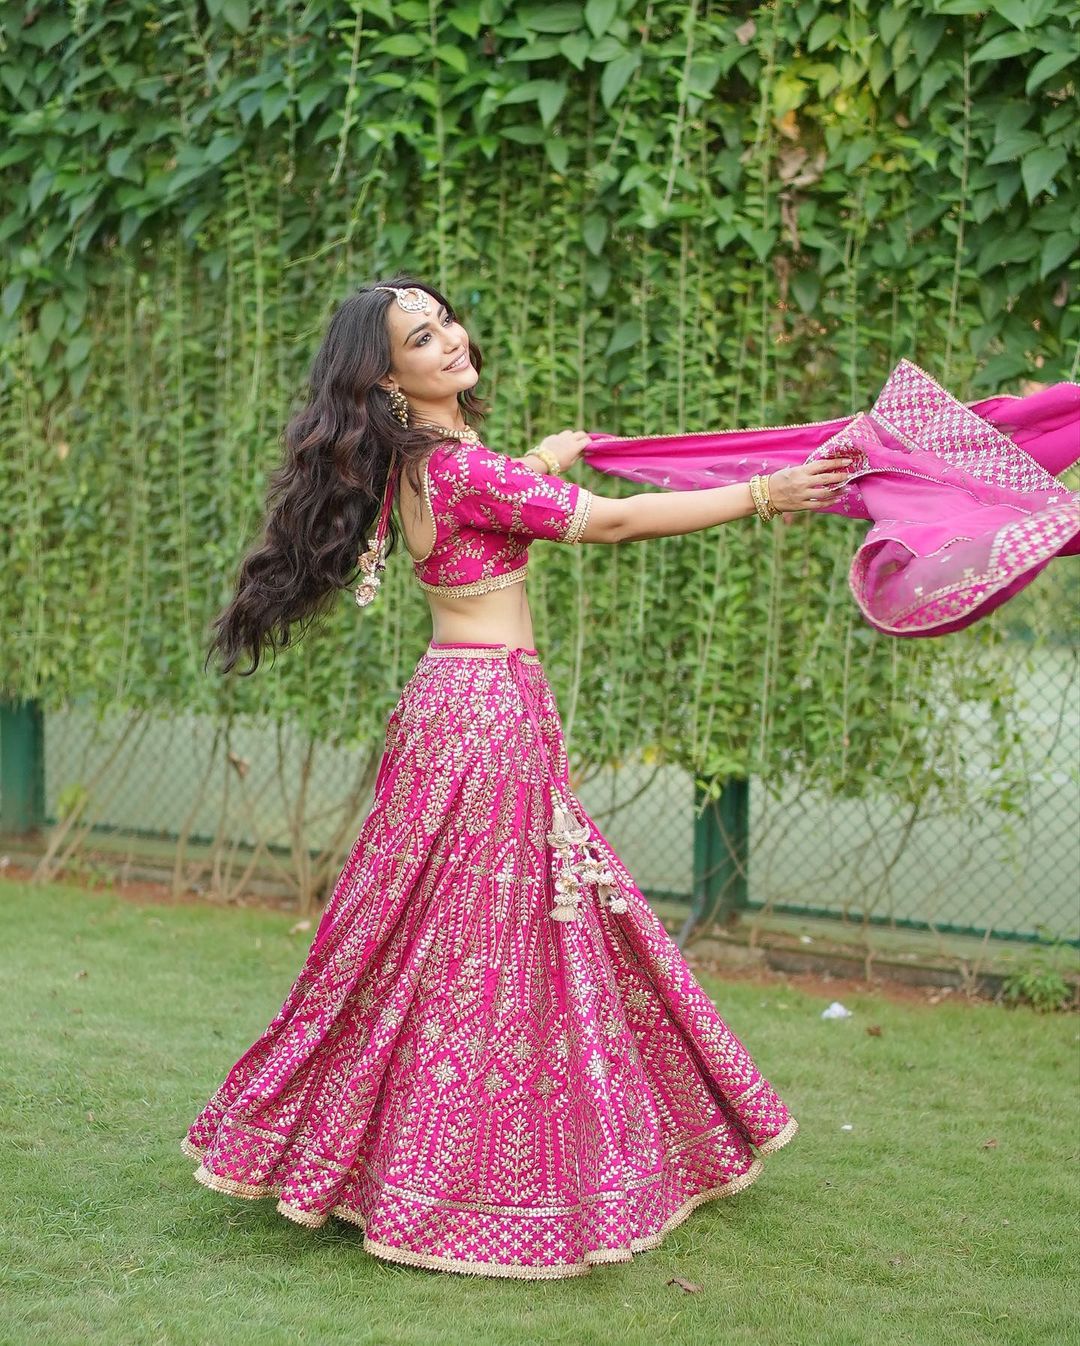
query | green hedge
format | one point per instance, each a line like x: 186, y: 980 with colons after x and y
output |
x: 654, y: 216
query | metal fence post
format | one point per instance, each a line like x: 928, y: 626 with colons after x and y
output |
x: 721, y: 853
x: 22, y: 766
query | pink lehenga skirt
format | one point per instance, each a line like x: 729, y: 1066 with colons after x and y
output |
x: 495, y: 1060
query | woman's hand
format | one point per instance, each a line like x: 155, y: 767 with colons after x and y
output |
x: 809, y: 486
x: 567, y: 446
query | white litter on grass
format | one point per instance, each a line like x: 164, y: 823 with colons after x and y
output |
x: 806, y: 939
x: 836, y: 1011
x: 847, y: 1127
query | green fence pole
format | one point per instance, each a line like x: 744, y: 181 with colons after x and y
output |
x: 721, y: 854
x: 22, y: 766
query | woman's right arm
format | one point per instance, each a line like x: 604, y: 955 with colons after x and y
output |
x: 652, y: 514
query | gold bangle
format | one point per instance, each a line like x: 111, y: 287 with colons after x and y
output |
x: 548, y: 459
x: 759, y: 490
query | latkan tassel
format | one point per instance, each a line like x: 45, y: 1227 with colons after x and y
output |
x: 571, y: 876
x: 372, y: 563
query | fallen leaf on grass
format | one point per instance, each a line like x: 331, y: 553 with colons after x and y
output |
x: 688, y: 1286
x: 874, y: 1030
x: 989, y: 1144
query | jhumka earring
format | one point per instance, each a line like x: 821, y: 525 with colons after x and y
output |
x: 399, y: 406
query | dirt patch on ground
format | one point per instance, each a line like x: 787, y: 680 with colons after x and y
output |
x: 825, y: 984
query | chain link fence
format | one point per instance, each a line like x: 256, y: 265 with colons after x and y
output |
x: 248, y: 808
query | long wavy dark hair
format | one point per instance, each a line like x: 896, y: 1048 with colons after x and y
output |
x: 325, y: 497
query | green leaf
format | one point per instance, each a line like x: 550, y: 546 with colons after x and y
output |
x: 1039, y: 168
x: 522, y: 135
x: 454, y: 57
x: 466, y: 19
x: 606, y: 49
x: 599, y: 14
x: 1057, y: 250
x: 12, y: 295
x: 78, y: 350
x: 50, y: 319
x: 44, y: 33
x: 550, y: 100
x: 1005, y: 44
x: 597, y: 277
x: 594, y: 231
x: 823, y: 30
x: 627, y: 334
x: 615, y: 76
x: 222, y: 146
x: 558, y: 18
x: 926, y: 35
x: 575, y: 47
x: 892, y: 22
x: 274, y: 102
x: 558, y: 153
x: 400, y: 44
x: 1015, y: 12
x: 236, y: 14
x: 1046, y: 67
x: 806, y: 287
x: 1014, y: 146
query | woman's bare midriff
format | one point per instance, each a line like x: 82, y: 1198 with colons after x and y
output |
x: 501, y: 617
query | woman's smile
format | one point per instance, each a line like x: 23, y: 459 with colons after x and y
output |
x: 460, y: 362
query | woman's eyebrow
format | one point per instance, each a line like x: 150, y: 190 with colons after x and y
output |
x: 442, y: 309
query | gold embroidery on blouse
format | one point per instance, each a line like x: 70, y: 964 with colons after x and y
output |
x: 483, y: 586
x: 417, y: 560
x: 580, y: 517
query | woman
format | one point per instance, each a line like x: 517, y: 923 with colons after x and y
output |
x: 494, y: 1060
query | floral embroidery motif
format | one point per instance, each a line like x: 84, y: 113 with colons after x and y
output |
x: 487, y: 508
x: 491, y: 1092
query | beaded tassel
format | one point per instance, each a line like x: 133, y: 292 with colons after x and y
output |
x: 372, y: 562
x: 570, y: 876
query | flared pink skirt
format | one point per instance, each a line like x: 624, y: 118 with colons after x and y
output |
x: 480, y: 1085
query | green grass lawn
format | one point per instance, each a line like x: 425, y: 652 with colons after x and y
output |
x: 121, y: 1019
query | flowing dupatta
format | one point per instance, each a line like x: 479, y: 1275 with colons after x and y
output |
x: 965, y: 507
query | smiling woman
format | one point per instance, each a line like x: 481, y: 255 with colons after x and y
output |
x: 495, y: 1059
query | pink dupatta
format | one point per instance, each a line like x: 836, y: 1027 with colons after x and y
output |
x: 965, y: 507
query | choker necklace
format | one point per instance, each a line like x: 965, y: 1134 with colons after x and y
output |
x: 469, y: 435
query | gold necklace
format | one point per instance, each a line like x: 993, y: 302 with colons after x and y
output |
x: 469, y: 435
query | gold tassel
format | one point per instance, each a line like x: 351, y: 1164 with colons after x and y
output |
x: 372, y: 562
x: 570, y: 876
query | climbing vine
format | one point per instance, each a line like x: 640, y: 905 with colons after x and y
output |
x: 656, y: 216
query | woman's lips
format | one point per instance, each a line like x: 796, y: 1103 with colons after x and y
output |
x: 460, y: 362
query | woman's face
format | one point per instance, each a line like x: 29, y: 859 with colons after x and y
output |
x: 423, y: 346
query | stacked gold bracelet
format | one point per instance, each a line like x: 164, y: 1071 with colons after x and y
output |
x: 759, y: 489
x: 548, y: 459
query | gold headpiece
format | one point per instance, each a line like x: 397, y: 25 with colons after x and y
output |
x: 412, y: 299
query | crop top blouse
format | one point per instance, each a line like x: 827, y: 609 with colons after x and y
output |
x: 487, y: 508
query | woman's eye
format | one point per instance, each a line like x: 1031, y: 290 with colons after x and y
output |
x: 449, y: 318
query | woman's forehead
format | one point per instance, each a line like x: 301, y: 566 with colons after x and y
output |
x: 405, y: 325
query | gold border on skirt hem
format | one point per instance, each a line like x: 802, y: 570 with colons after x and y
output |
x: 599, y: 1256
x: 781, y: 1138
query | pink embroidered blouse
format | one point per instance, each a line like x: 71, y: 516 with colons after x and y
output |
x: 487, y: 509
